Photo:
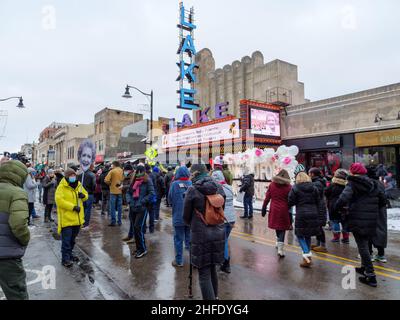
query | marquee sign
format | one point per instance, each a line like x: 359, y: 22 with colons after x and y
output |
x: 222, y: 130
x: 187, y: 53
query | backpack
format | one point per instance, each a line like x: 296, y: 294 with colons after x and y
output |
x: 214, y: 212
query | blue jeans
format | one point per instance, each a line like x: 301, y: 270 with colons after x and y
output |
x: 68, y: 235
x: 336, y: 226
x: 138, y: 219
x: 181, y: 234
x: 305, y: 244
x: 248, y: 206
x: 116, y: 200
x: 87, y: 206
x: 34, y: 214
x: 228, y: 229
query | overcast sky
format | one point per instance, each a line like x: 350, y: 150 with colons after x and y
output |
x: 73, y: 64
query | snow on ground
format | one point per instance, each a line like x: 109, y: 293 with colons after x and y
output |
x: 393, y: 214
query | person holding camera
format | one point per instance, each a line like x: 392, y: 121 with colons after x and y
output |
x: 70, y: 196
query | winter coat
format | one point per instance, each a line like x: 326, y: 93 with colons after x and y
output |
x: 229, y: 210
x: 98, y: 184
x: 169, y: 177
x: 176, y: 195
x: 30, y: 187
x: 364, y: 198
x: 380, y: 239
x: 146, y: 193
x: 50, y: 186
x: 320, y: 184
x: 332, y: 194
x: 278, y: 217
x: 159, y: 185
x: 66, y: 200
x: 89, y: 181
x: 14, y: 232
x: 207, y: 242
x: 305, y: 197
x: 114, y: 179
x: 103, y: 175
x: 228, y: 176
x: 248, y: 185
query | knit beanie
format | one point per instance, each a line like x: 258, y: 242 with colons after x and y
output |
x: 358, y: 168
x: 197, y: 169
x: 341, y: 174
x: 69, y: 172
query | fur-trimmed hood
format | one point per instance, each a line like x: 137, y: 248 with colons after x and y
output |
x: 339, y: 181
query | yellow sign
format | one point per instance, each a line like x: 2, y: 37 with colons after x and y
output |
x: 378, y: 138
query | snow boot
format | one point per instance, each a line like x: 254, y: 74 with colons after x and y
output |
x: 336, y: 237
x: 281, y: 254
x: 360, y: 270
x: 345, y: 237
x: 369, y: 280
x: 226, y: 266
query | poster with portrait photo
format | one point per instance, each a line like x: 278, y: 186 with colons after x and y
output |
x: 265, y: 123
x: 86, y: 154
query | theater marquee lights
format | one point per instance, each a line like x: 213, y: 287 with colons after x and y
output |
x: 187, y: 53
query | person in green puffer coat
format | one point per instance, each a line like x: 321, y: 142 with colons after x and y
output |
x: 14, y: 232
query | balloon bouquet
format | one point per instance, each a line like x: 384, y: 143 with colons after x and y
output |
x: 268, y: 161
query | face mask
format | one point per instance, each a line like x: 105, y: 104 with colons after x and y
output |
x: 72, y: 179
x: 126, y: 173
x: 33, y: 173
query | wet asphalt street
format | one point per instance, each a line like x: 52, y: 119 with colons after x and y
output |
x: 108, y: 270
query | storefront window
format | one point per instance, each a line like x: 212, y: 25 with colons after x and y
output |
x: 327, y: 161
x: 378, y: 155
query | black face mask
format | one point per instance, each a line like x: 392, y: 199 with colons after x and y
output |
x: 73, y: 184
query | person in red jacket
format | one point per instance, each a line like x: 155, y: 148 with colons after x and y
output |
x: 279, y: 216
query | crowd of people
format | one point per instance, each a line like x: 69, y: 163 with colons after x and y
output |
x: 203, y: 214
x: 353, y: 201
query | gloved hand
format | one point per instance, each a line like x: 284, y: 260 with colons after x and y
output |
x: 81, y: 195
x: 264, y: 211
x: 77, y: 209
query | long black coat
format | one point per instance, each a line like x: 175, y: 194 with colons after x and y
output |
x: 380, y: 239
x: 364, y: 198
x: 207, y: 242
x: 306, y: 199
x: 332, y: 194
x: 320, y: 184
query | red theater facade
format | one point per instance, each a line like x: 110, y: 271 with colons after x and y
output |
x: 259, y: 126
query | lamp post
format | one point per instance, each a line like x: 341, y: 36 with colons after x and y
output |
x: 127, y: 95
x: 20, y: 104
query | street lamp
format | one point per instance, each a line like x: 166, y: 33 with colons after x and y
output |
x: 127, y: 95
x: 20, y: 104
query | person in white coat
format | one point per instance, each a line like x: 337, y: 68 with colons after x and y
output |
x: 230, y: 216
x: 30, y: 187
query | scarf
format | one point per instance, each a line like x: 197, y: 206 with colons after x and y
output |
x: 136, y: 187
x: 184, y: 179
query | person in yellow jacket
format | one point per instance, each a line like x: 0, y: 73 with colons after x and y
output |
x: 70, y: 196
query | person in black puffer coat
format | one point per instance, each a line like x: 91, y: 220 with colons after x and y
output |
x: 332, y: 194
x: 304, y: 195
x: 379, y: 241
x: 364, y: 199
x: 320, y: 183
x: 207, y: 242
